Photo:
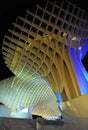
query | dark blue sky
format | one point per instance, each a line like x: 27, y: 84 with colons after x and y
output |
x: 9, y: 10
x: 83, y: 4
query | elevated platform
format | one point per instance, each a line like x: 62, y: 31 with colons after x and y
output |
x: 30, y: 124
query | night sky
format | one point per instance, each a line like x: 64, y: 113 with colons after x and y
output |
x: 9, y: 10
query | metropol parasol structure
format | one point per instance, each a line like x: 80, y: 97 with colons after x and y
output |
x: 44, y: 50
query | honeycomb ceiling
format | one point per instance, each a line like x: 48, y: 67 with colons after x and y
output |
x: 34, y: 93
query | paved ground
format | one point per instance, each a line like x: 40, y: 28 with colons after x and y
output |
x: 17, y: 124
x: 28, y: 124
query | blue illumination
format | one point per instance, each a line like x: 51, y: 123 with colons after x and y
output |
x: 81, y: 73
x: 84, y: 50
x: 81, y: 53
x: 59, y: 98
